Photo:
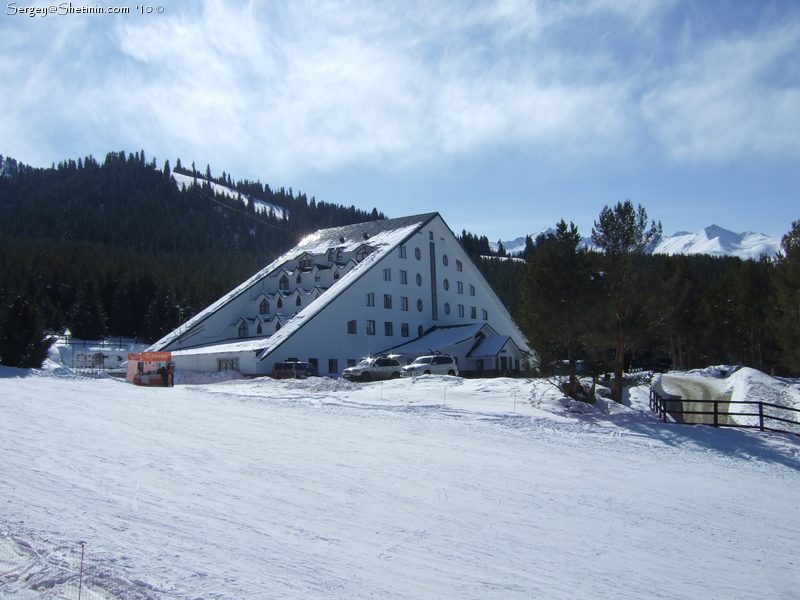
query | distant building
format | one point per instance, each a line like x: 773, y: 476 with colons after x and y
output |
x: 404, y: 286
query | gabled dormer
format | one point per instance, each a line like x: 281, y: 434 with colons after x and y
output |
x: 363, y: 251
x: 305, y: 261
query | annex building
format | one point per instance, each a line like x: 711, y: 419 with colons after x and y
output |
x: 404, y: 286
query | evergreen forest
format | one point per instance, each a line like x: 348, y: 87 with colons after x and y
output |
x: 116, y: 248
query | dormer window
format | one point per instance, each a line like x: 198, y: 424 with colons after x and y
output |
x: 336, y: 274
x: 330, y: 255
x: 298, y: 279
x: 362, y: 253
x: 339, y: 254
x: 306, y: 261
x: 280, y: 302
x: 259, y: 330
x: 298, y: 301
x: 263, y: 308
x: 243, y: 330
x: 283, y: 284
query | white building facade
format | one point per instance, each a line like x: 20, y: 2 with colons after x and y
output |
x: 354, y: 291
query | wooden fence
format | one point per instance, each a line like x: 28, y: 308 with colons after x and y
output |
x: 763, y: 416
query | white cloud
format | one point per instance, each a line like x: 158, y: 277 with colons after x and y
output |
x: 321, y: 85
x: 726, y: 103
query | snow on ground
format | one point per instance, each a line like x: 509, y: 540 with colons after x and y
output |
x: 260, y: 206
x: 435, y: 487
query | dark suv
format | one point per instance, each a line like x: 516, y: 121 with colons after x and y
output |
x: 294, y: 370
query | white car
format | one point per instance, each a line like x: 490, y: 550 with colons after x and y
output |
x: 373, y: 368
x: 434, y: 364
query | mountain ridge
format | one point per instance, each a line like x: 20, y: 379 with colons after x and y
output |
x: 713, y: 240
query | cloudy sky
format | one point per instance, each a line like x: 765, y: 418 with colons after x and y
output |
x: 505, y: 116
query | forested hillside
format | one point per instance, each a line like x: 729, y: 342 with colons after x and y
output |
x: 117, y: 248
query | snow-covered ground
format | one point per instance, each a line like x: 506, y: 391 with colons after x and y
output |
x: 259, y: 205
x: 435, y: 487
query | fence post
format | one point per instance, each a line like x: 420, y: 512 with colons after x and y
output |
x: 80, y: 581
x: 761, y: 416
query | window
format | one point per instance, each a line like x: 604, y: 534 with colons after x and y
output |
x: 485, y: 314
x: 330, y: 255
x: 297, y: 302
x: 447, y: 308
x: 419, y: 305
x: 370, y: 327
x: 371, y: 299
x: 473, y: 312
x: 388, y: 329
x: 404, y: 329
x: 306, y: 263
x: 317, y: 276
x: 333, y: 365
x: 339, y: 254
x: 471, y: 290
x: 336, y: 274
x: 460, y: 287
x: 417, y: 253
x: 259, y: 330
x: 387, y: 301
x: 445, y: 260
x: 403, y: 303
x: 419, y: 280
x: 298, y: 279
x: 430, y: 235
x: 243, y: 330
x: 280, y: 302
x: 446, y: 285
x: 351, y: 327
x: 387, y: 274
x: 460, y: 310
x: 283, y: 284
x: 263, y: 308
x: 228, y: 364
x: 404, y: 277
x: 362, y: 253
x: 420, y: 331
x: 401, y: 251
x: 351, y: 362
x: 459, y: 266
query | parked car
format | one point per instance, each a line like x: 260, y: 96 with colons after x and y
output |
x: 373, y: 368
x: 294, y: 370
x: 433, y: 364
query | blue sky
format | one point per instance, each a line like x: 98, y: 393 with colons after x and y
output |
x: 503, y: 116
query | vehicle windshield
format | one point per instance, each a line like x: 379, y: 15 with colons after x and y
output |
x: 422, y: 360
x: 364, y: 363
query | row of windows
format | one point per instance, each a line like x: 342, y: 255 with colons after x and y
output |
x: 387, y: 276
x: 388, y: 328
x: 283, y: 282
x: 244, y: 330
x: 418, y: 256
x: 264, y: 307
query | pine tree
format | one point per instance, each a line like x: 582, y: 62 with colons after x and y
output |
x: 623, y: 235
x: 556, y: 304
x: 23, y: 342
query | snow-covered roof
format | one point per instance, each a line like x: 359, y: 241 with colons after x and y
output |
x: 490, y: 346
x: 383, y: 237
x: 439, y: 339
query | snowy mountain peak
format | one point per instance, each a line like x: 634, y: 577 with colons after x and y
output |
x: 713, y: 240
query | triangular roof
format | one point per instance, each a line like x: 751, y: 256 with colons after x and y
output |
x: 383, y: 236
x: 439, y: 339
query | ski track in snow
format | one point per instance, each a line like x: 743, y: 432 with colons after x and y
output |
x: 432, y: 488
